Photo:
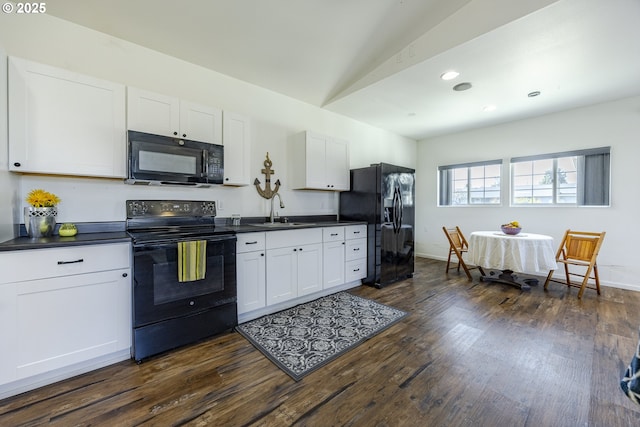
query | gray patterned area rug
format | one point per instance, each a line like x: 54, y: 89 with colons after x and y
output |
x: 303, y: 338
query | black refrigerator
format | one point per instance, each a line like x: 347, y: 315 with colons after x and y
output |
x: 383, y: 195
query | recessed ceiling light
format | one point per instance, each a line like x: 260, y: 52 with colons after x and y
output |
x: 462, y: 86
x: 488, y: 108
x: 533, y: 94
x: 449, y: 75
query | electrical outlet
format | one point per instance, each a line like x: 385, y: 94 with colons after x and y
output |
x: 220, y: 205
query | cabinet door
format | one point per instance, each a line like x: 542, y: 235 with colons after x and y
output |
x: 337, y: 164
x: 8, y: 332
x: 319, y: 162
x: 152, y: 112
x: 251, y: 281
x: 200, y: 123
x: 236, y: 138
x: 281, y: 274
x: 70, y: 319
x: 66, y: 123
x: 309, y: 269
x: 315, y: 161
x: 333, y: 264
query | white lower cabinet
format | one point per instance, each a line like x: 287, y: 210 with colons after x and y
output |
x: 281, y: 268
x: 293, y: 271
x: 62, y: 307
x: 294, y: 264
x: 309, y: 269
x: 333, y: 257
x: 282, y: 272
x: 251, y: 269
x: 355, y: 252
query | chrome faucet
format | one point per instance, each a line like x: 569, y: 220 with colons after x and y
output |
x: 281, y: 206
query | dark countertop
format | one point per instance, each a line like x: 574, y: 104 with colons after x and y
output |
x: 104, y: 233
x: 293, y: 225
x: 23, y: 243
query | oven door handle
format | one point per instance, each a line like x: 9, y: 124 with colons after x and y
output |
x: 155, y: 244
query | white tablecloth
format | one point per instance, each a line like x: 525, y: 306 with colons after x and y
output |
x: 523, y: 253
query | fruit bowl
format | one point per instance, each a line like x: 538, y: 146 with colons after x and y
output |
x: 67, y: 230
x: 512, y: 231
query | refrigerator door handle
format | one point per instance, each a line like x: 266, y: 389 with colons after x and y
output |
x: 397, y: 210
x: 401, y: 208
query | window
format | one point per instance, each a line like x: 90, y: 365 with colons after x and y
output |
x: 575, y: 178
x: 470, y: 184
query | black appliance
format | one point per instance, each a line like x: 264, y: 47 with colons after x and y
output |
x: 167, y: 312
x: 157, y: 160
x: 383, y: 195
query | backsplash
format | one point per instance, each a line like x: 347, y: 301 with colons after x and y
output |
x: 103, y: 200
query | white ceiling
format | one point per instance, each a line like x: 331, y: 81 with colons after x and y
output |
x: 379, y: 61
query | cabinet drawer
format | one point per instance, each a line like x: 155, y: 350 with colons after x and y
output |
x: 18, y: 266
x: 355, y: 270
x: 249, y: 242
x: 285, y: 238
x: 356, y: 249
x: 332, y: 234
x: 356, y: 231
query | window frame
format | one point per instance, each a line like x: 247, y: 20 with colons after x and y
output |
x: 444, y: 173
x: 589, y: 186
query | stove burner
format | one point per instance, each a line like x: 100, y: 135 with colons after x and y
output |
x: 172, y: 220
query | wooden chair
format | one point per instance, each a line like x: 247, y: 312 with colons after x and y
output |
x: 458, y: 245
x: 579, y: 249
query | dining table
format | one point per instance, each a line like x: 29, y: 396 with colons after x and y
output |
x: 504, y: 257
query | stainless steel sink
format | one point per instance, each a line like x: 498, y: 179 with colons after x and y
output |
x: 282, y: 224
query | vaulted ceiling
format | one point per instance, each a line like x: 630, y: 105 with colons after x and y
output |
x: 380, y: 61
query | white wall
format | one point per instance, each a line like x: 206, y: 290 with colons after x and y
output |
x: 275, y: 118
x: 615, y: 124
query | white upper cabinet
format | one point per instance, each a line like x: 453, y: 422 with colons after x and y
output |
x: 236, y: 138
x: 337, y: 164
x: 319, y: 162
x: 160, y: 114
x: 61, y: 308
x: 61, y: 122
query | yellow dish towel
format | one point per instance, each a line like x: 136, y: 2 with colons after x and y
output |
x: 192, y: 260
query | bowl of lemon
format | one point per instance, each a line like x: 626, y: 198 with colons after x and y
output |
x: 67, y: 230
x: 511, y: 228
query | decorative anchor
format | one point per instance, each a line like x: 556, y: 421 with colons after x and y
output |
x: 267, y: 193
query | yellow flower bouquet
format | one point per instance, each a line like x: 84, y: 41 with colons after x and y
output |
x: 42, y: 199
x: 40, y: 216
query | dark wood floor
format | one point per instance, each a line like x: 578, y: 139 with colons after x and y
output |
x: 469, y: 354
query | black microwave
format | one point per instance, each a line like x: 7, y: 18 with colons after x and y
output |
x: 158, y: 160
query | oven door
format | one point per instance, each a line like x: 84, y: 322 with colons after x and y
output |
x: 157, y: 293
